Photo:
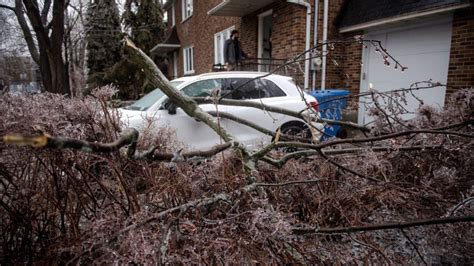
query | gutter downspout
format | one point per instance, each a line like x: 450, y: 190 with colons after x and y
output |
x: 325, y: 46
x: 308, y: 38
x: 315, y: 39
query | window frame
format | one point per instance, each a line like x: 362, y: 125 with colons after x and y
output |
x: 175, y: 64
x: 220, y: 49
x: 187, y: 11
x: 173, y: 16
x: 188, y: 65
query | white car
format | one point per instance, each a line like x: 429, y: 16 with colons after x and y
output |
x: 273, y: 90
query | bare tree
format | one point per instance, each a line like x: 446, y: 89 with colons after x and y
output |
x: 75, y: 46
x: 43, y: 30
x: 11, y: 38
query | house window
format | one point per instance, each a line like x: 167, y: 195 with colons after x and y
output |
x: 188, y: 58
x: 187, y: 9
x: 219, y: 40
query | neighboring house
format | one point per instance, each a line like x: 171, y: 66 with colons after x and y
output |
x: 189, y: 45
x: 434, y: 39
x: 19, y: 73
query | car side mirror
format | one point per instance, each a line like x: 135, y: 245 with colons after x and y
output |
x: 171, y: 107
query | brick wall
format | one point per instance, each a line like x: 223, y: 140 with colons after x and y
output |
x: 461, y: 62
x: 288, y: 34
x: 249, y: 35
x: 198, y: 31
x: 343, y: 63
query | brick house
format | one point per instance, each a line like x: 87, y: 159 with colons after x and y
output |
x: 189, y: 45
x: 434, y: 39
x: 19, y: 73
x: 199, y: 28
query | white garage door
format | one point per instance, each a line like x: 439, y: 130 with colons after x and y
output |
x: 423, y: 48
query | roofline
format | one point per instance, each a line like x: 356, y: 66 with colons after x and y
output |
x: 168, y: 4
x: 383, y: 21
x: 217, y: 8
x: 257, y: 4
x: 164, y: 45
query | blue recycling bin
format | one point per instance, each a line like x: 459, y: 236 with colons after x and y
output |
x: 331, y: 102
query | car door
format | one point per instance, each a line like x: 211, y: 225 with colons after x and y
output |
x: 194, y: 133
x: 259, y: 91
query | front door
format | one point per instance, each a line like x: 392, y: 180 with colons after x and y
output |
x: 265, y: 40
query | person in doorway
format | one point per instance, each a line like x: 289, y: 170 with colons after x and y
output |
x: 233, y: 53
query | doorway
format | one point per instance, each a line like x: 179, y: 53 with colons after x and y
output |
x: 265, y: 41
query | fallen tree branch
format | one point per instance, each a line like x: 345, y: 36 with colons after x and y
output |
x: 397, y: 225
x: 198, y: 203
x: 152, y: 155
x: 195, y: 204
x: 165, y: 242
x: 414, y: 246
x: 296, y: 182
x: 274, y: 109
x: 129, y: 136
x: 306, y: 153
x: 7, y: 7
x: 430, y: 85
x: 265, y: 150
x: 347, y: 169
x: 257, y: 127
x: 284, y: 159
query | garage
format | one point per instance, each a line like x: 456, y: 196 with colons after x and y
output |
x: 422, y: 47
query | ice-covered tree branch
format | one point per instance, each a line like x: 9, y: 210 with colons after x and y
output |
x: 399, y: 225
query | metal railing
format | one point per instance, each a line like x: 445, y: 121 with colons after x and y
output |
x: 259, y: 65
x: 262, y: 64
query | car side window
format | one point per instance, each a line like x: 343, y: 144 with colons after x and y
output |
x: 245, y: 88
x: 202, y: 88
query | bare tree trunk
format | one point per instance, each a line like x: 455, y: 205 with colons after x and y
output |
x: 52, y: 67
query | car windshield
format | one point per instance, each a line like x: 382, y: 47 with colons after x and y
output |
x: 148, y: 100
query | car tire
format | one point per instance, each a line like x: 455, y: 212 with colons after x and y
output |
x: 296, y: 129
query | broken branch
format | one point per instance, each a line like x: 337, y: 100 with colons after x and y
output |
x: 398, y: 225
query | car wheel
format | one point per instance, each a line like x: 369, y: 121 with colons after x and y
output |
x: 296, y: 129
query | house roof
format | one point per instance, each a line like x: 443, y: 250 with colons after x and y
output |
x: 238, y: 8
x: 361, y: 14
x: 170, y: 43
x: 168, y: 4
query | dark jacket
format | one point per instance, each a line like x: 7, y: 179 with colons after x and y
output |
x: 233, y: 52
